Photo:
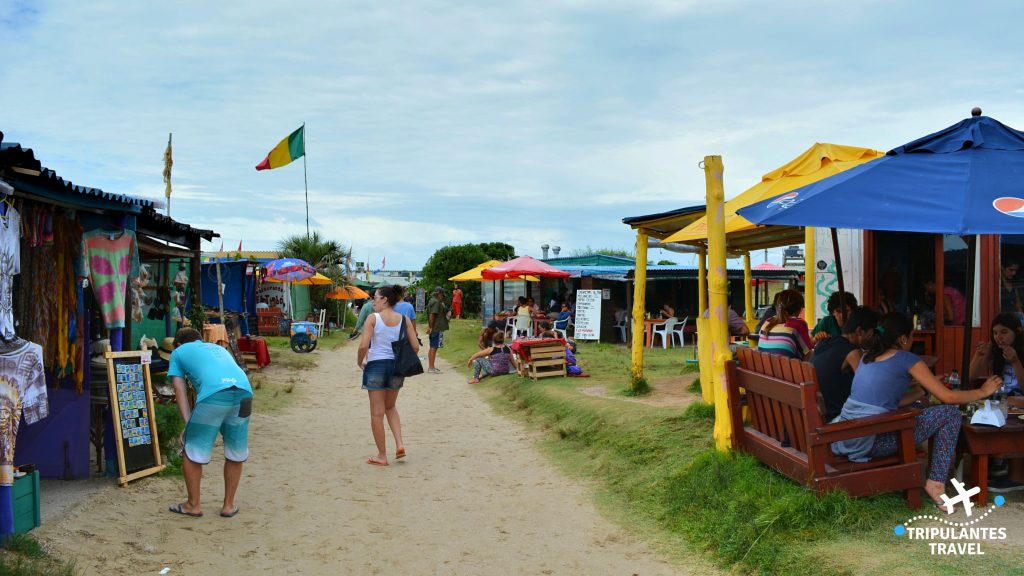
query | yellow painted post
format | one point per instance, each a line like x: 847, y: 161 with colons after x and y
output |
x: 748, y: 293
x: 704, y: 363
x: 717, y: 291
x: 639, y: 307
x: 809, y: 258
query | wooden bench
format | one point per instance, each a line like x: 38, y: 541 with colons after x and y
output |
x: 786, y: 431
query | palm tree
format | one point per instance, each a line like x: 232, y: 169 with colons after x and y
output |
x: 327, y: 256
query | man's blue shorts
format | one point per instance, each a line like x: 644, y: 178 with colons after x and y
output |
x: 437, y: 339
x: 219, y: 414
x: 380, y: 375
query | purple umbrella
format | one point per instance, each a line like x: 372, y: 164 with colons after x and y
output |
x: 289, y: 270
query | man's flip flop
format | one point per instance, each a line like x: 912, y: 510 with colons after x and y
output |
x: 400, y: 454
x: 370, y: 460
x: 178, y: 509
x: 230, y: 514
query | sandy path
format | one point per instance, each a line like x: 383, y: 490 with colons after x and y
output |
x: 473, y: 497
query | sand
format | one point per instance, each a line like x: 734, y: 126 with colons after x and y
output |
x: 474, y: 496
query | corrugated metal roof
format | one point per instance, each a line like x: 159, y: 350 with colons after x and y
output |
x: 13, y: 156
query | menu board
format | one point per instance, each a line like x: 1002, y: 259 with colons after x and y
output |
x: 588, y: 315
x: 131, y: 406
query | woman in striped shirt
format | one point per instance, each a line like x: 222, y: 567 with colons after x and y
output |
x: 786, y: 333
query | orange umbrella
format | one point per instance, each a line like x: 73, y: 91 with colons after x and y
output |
x: 347, y: 293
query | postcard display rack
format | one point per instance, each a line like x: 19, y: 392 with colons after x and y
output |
x: 133, y: 415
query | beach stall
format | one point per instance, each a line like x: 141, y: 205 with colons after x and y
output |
x: 60, y: 242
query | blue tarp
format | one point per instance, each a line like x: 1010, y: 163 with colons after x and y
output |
x: 238, y: 288
x: 966, y: 179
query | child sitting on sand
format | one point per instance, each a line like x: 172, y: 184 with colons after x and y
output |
x: 491, y: 361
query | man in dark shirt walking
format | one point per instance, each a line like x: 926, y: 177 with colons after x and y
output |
x: 437, y: 324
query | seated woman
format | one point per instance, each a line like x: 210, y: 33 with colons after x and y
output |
x: 492, y: 361
x: 486, y: 339
x: 881, y: 385
x: 667, y: 311
x: 786, y: 333
x: 1004, y: 355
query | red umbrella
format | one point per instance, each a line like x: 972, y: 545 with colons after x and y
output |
x: 522, y: 266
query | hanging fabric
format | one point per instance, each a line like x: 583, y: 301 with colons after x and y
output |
x: 22, y: 393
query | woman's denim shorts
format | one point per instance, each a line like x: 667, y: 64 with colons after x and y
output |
x: 380, y: 375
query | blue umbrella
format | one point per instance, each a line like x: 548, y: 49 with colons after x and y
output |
x: 966, y: 180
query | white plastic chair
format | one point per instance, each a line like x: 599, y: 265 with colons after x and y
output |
x: 562, y: 326
x: 663, y: 331
x: 510, y: 328
x: 320, y: 323
x: 623, y: 327
x: 678, y: 332
x: 520, y: 325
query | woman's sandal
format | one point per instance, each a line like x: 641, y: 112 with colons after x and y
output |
x: 375, y: 462
x: 400, y: 453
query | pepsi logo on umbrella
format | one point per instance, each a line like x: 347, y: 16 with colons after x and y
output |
x: 785, y: 201
x: 1010, y: 206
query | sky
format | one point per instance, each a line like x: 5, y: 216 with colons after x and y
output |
x: 436, y: 122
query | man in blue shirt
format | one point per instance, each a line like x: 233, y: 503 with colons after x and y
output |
x: 405, y: 308
x: 223, y: 405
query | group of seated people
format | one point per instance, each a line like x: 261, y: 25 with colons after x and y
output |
x: 865, y: 367
x: 525, y: 311
x: 496, y: 357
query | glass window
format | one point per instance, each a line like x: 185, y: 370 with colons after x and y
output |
x: 1011, y: 281
x: 905, y: 264
x: 954, y: 284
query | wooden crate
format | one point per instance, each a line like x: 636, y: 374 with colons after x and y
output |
x: 546, y: 360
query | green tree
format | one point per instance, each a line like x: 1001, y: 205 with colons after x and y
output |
x: 666, y: 263
x: 452, y: 260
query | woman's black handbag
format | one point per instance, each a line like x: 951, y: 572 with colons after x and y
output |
x: 407, y: 363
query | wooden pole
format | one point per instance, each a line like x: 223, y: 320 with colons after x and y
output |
x: 717, y: 290
x: 704, y: 361
x: 748, y: 293
x: 810, y: 308
x: 639, y: 306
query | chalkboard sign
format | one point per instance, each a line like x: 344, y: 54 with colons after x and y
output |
x: 131, y: 406
x: 588, y: 315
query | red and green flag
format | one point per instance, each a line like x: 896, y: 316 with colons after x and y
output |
x: 291, y: 148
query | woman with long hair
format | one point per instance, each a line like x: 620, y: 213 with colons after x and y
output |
x: 786, y: 333
x: 1002, y: 356
x: 377, y: 360
x: 881, y: 385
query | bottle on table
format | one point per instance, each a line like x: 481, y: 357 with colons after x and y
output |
x: 953, y: 380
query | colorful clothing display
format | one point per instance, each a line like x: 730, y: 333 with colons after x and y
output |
x: 10, y: 264
x: 22, y: 392
x: 109, y: 260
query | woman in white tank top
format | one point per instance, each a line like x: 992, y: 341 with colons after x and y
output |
x: 377, y: 360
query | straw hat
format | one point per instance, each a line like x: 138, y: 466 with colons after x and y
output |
x: 166, y: 347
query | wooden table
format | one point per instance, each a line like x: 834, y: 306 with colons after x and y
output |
x: 215, y: 333
x: 540, y: 357
x: 649, y: 324
x: 984, y: 441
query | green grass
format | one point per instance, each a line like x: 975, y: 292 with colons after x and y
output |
x: 656, y: 471
x: 23, y: 556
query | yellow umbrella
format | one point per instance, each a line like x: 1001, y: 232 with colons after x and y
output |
x: 475, y: 275
x: 347, y: 293
x: 818, y: 162
x: 317, y: 280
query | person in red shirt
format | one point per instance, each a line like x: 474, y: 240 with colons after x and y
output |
x: 457, y: 302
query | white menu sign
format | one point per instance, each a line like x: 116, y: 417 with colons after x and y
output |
x: 588, y: 315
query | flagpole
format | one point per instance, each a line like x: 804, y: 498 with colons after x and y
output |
x: 304, y: 179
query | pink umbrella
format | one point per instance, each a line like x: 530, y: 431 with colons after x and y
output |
x: 522, y: 266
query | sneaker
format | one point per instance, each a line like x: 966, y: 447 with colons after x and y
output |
x: 434, y: 370
x: 354, y: 335
x: 1003, y: 485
